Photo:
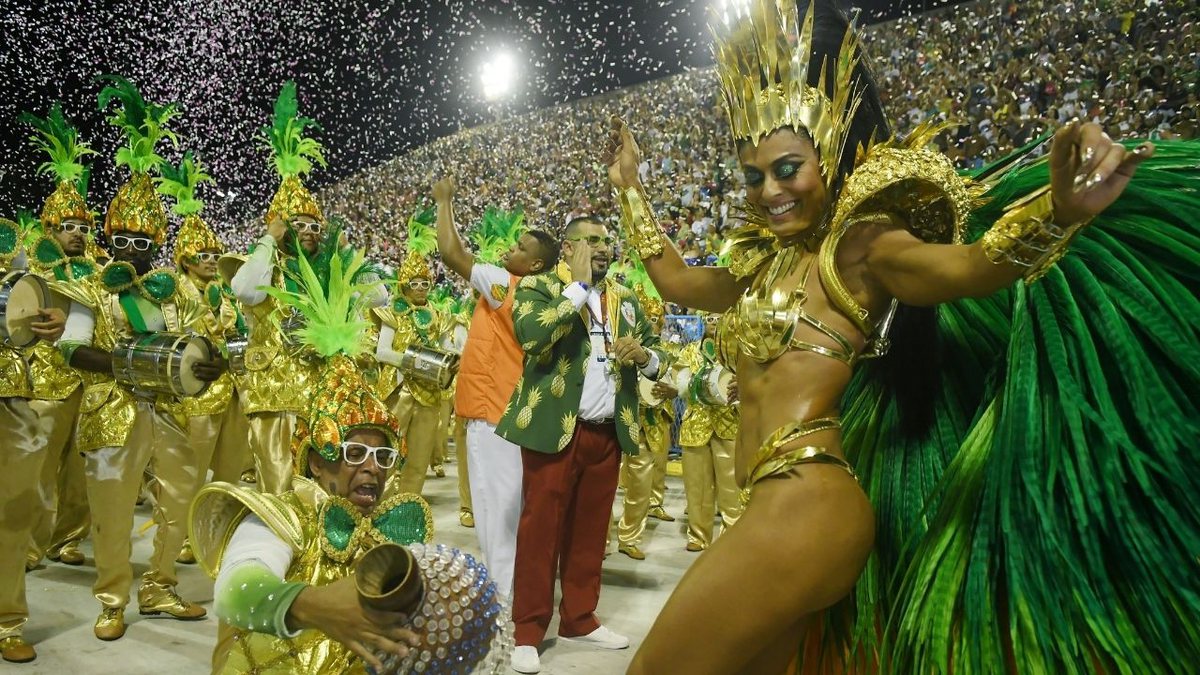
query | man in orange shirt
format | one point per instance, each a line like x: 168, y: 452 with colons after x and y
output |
x: 491, y: 364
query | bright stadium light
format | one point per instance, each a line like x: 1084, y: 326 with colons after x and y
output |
x: 498, y: 75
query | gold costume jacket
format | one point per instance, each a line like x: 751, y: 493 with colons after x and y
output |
x: 701, y: 421
x: 279, y: 375
x: 420, y: 326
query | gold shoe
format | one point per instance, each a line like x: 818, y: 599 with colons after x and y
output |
x: 250, y: 476
x: 439, y: 471
x: 632, y: 551
x: 154, y: 599
x: 16, y: 650
x: 110, y: 625
x: 659, y: 513
x: 694, y: 547
x: 466, y: 518
x: 186, y: 556
x: 69, y: 554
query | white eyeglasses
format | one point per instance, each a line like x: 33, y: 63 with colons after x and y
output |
x: 357, y: 453
x: 303, y: 226
x: 121, y: 242
x: 203, y: 257
x: 72, y: 228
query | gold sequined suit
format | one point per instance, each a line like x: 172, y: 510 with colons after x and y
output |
x: 707, y: 437
x: 64, y: 517
x: 641, y: 473
x: 20, y: 466
x: 278, y: 383
x: 416, y: 405
x: 294, y: 516
x: 121, y: 436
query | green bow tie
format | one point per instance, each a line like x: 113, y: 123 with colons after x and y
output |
x: 400, y: 519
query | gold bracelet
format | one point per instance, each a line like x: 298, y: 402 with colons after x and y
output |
x: 1027, y: 236
x: 638, y: 222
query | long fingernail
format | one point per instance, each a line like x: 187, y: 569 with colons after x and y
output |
x: 1079, y: 182
x: 1086, y: 155
x: 1143, y: 149
x: 1094, y: 181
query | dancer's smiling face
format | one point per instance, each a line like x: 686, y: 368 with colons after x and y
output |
x: 783, y: 178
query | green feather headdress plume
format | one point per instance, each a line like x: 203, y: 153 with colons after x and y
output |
x: 60, y: 141
x: 497, y: 233
x: 180, y: 184
x: 144, y: 124
x: 333, y: 308
x: 293, y: 152
x: 637, y: 278
x: 29, y: 228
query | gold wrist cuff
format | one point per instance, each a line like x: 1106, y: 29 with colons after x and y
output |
x: 638, y: 223
x: 1027, y: 236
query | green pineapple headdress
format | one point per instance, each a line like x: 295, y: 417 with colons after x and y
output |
x: 422, y: 240
x: 179, y: 183
x: 336, y: 330
x: 293, y: 155
x: 497, y: 233
x: 55, y: 136
x: 137, y: 208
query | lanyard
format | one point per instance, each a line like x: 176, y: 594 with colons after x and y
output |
x: 603, y: 323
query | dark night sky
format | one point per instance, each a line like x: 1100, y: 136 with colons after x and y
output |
x: 380, y: 76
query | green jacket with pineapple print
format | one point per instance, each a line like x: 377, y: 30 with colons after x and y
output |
x: 556, y: 339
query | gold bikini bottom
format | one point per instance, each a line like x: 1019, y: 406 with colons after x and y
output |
x: 767, y: 463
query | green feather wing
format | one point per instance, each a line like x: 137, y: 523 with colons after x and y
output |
x: 1050, y: 511
x: 496, y: 233
x: 422, y: 238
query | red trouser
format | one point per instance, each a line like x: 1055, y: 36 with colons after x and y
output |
x: 568, y: 502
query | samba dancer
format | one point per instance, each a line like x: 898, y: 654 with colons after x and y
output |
x: 851, y: 233
x: 61, y: 253
x: 122, y: 429
x: 286, y: 587
x: 707, y: 434
x: 643, y: 476
x: 216, y: 431
x: 411, y: 322
x: 491, y: 365
x: 20, y: 463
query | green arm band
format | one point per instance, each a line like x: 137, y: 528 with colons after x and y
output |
x: 68, y: 349
x: 253, y: 598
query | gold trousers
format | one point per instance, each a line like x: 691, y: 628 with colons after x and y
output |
x: 441, y: 445
x: 460, y: 456
x: 418, y: 428
x: 709, y: 483
x: 271, y: 445
x: 64, y: 517
x: 231, y: 456
x: 638, y: 474
x: 659, y: 438
x: 20, y: 471
x: 114, y: 477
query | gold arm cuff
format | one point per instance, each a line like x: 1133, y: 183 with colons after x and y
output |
x: 1027, y: 236
x: 638, y: 222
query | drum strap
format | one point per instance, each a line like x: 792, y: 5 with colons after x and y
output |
x: 132, y: 312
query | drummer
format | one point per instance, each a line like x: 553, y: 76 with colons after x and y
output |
x: 215, y: 432
x: 706, y: 436
x: 412, y: 322
x: 120, y: 429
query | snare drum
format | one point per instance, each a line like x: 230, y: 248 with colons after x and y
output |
x: 162, y: 363
x: 432, y: 367
x: 237, y: 354
x: 22, y: 296
x: 710, y: 386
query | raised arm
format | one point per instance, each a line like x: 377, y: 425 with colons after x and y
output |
x: 450, y: 244
x: 712, y: 289
x: 256, y: 272
x: 1088, y: 172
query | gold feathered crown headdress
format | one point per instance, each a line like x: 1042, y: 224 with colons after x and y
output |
x: 293, y: 155
x: 421, y: 242
x: 764, y: 56
x: 55, y: 136
x: 180, y: 184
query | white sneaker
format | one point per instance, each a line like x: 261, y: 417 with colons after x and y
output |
x: 525, y: 660
x: 602, y: 638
